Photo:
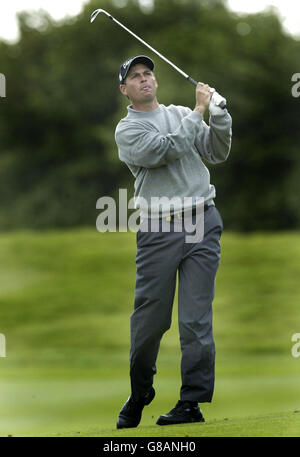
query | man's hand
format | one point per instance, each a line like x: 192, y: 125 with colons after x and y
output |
x: 214, y: 105
x: 203, y: 96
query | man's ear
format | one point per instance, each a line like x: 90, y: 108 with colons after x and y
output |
x: 123, y: 89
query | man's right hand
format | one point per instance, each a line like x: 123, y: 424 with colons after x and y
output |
x: 203, y: 96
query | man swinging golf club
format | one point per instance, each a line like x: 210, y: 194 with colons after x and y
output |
x: 163, y: 146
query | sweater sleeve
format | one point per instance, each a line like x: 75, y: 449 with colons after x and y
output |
x: 140, y: 144
x: 214, y: 141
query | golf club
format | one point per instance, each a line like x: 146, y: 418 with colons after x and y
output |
x: 218, y: 99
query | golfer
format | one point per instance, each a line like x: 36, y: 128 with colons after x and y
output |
x: 164, y: 148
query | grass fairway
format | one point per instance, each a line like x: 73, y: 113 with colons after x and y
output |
x: 66, y: 298
x: 279, y: 425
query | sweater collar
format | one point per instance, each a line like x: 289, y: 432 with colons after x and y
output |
x: 139, y: 113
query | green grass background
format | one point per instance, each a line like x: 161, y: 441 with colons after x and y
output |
x: 65, y: 302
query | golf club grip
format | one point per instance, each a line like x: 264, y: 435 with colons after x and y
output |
x: 191, y: 80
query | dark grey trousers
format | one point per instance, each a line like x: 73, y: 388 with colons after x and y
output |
x: 159, y: 256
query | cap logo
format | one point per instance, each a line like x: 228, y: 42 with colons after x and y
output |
x: 127, y: 63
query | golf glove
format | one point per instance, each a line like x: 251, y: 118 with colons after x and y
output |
x: 215, y: 101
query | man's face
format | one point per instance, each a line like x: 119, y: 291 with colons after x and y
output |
x: 140, y: 84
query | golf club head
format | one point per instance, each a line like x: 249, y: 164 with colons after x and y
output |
x: 96, y: 12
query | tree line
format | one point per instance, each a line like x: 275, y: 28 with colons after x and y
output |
x: 62, y: 103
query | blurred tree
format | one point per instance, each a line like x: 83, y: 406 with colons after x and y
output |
x: 57, y: 150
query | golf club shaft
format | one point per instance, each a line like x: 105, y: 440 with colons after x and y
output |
x: 191, y: 80
x: 93, y: 17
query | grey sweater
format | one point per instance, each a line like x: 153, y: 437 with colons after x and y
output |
x: 164, y: 148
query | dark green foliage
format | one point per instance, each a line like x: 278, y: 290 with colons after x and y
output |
x: 57, y: 150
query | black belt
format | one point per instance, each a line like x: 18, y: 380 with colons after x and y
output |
x: 183, y: 214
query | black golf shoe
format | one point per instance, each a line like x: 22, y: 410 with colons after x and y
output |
x: 184, y: 412
x: 131, y: 413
